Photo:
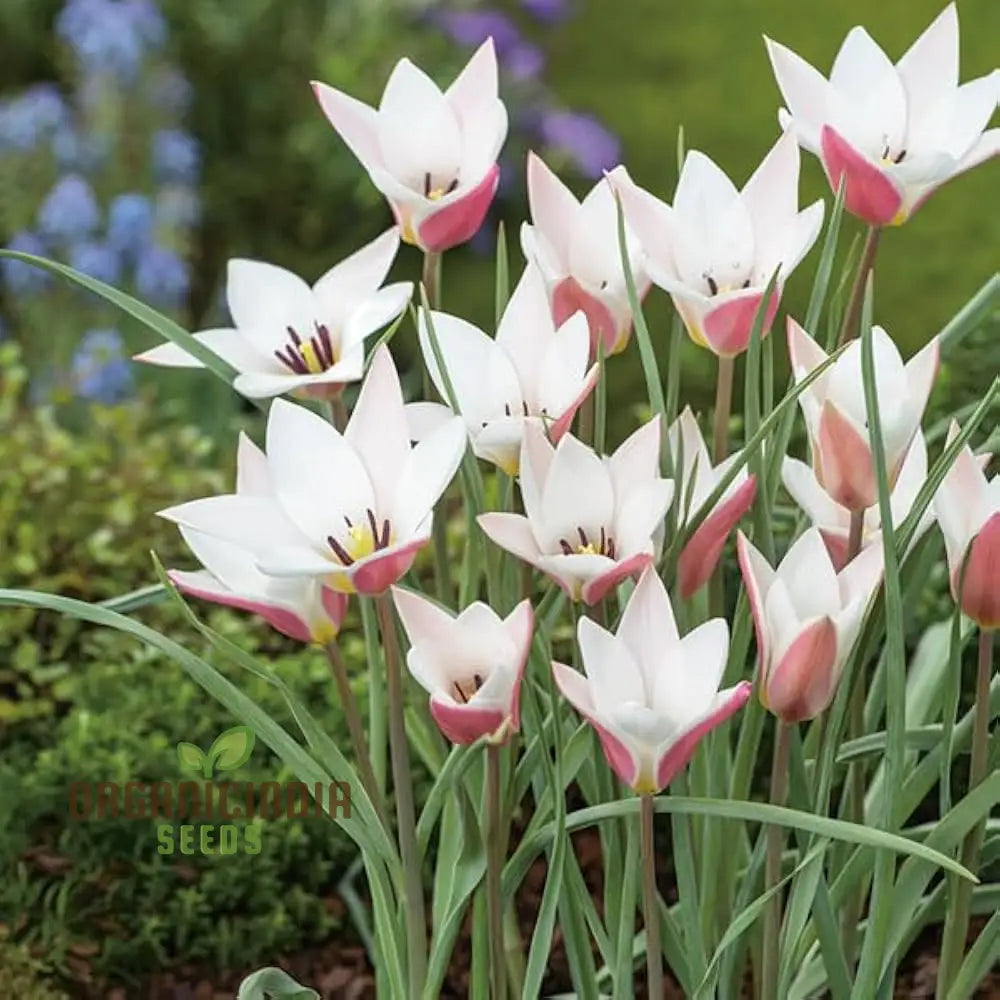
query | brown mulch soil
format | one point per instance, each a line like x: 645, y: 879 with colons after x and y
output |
x: 339, y: 969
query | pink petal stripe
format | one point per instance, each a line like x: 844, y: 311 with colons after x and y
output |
x: 870, y: 194
x: 670, y: 764
x: 756, y: 599
x: 334, y: 604
x: 802, y: 684
x: 594, y: 590
x: 845, y: 468
x: 378, y: 573
x: 280, y: 618
x: 699, y: 557
x: 560, y: 426
x: 568, y: 297
x: 728, y: 327
x: 458, y: 221
x: 981, y: 587
x: 836, y: 545
x: 465, y: 723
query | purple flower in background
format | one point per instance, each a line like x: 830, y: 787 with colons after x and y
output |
x: 25, y: 119
x: 176, y: 156
x: 100, y: 371
x: 473, y: 27
x: 20, y: 278
x: 70, y: 211
x: 178, y: 207
x: 107, y: 36
x: 162, y: 277
x: 523, y: 61
x: 98, y: 260
x: 147, y: 21
x: 549, y: 11
x: 581, y: 136
x: 130, y: 223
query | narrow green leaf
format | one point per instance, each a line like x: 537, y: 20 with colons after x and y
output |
x: 273, y: 984
x: 971, y: 316
x: 501, y: 294
x: 981, y: 958
x: 149, y: 317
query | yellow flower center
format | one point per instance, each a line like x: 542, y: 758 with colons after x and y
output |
x: 603, y: 546
x: 308, y: 357
x: 358, y: 542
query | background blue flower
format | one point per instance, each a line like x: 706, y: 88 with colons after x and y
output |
x: 20, y: 278
x: 130, y: 222
x: 70, y: 211
x: 99, y: 260
x: 162, y: 277
x: 100, y: 372
x: 176, y: 156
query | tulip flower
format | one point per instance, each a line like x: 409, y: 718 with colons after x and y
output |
x: 589, y: 520
x: 289, y: 337
x: 532, y: 372
x: 806, y: 616
x: 893, y: 134
x: 834, y: 520
x: 697, y: 480
x: 432, y: 154
x: 716, y: 249
x: 650, y: 694
x: 470, y: 664
x: 837, y: 419
x: 352, y: 509
x: 575, y: 246
x: 302, y: 609
x: 968, y: 510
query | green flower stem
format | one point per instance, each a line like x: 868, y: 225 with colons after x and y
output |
x: 650, y: 909
x: 354, y: 725
x: 412, y: 896
x: 772, y: 865
x: 431, y: 280
x: 956, y: 924
x: 495, y: 850
x: 852, y: 315
x: 723, y: 409
x: 856, y: 787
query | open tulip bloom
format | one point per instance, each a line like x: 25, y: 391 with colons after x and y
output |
x: 806, y: 616
x: 650, y: 694
x: 302, y: 609
x: 701, y: 553
x: 589, y: 521
x: 288, y: 337
x: 968, y: 508
x: 834, y: 520
x: 893, y: 133
x: 575, y: 246
x: 470, y: 664
x: 532, y: 373
x: 837, y: 418
x: 351, y: 509
x: 716, y: 249
x: 432, y: 154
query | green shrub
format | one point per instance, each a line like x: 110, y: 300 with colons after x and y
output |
x: 21, y: 976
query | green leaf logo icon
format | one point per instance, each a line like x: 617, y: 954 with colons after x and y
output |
x: 192, y: 759
x: 232, y: 748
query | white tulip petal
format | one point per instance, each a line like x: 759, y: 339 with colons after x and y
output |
x: 553, y: 210
x: 355, y: 122
x: 229, y: 344
x: 805, y: 91
x: 577, y: 495
x: 614, y: 675
x: 648, y: 628
x: 526, y: 327
x: 425, y: 474
x: 802, y: 485
x: 318, y: 477
x: 253, y: 476
x: 417, y: 129
x: 808, y: 574
x: 265, y: 297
